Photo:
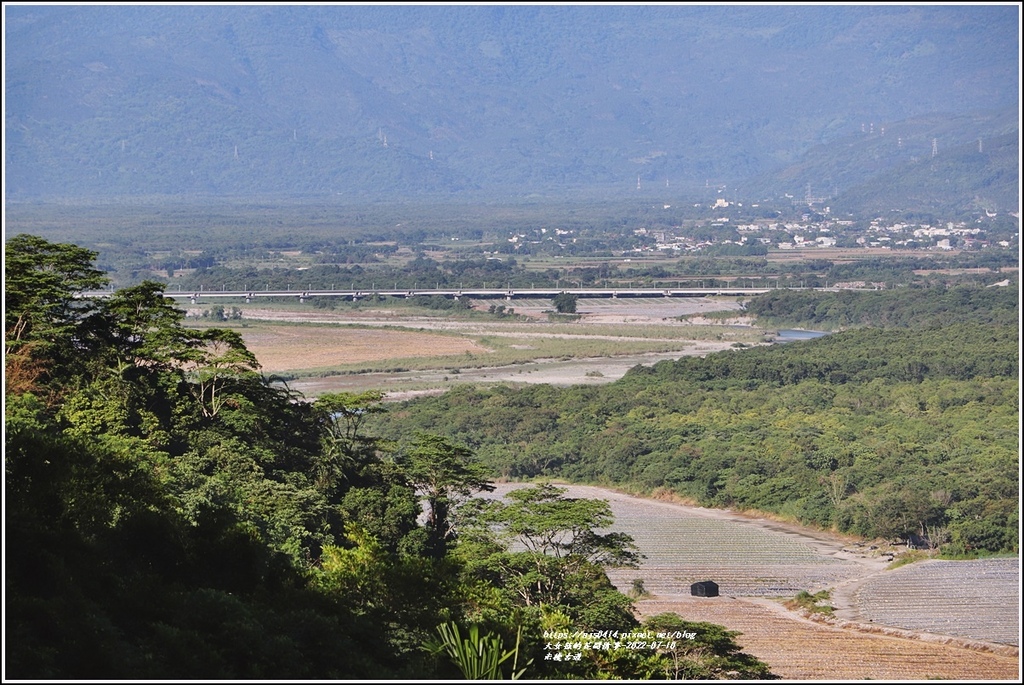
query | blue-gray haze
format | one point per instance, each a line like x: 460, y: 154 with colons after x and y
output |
x: 357, y: 102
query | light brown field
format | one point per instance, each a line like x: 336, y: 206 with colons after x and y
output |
x: 282, y: 348
x: 799, y: 649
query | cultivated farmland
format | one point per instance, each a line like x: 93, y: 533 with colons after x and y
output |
x: 282, y: 348
x: 756, y: 562
x: 979, y: 599
x: 799, y: 649
x: 746, y: 557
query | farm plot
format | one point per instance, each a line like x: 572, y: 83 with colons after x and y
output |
x: 281, y: 348
x: 979, y: 599
x: 743, y: 559
x: 683, y: 545
x: 798, y: 649
x: 755, y: 559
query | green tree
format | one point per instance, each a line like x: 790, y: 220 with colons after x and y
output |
x: 402, y: 596
x: 141, y: 329
x: 343, y: 416
x: 563, y: 556
x: 42, y: 307
x: 565, y: 303
x: 545, y: 522
x: 218, y: 358
x: 444, y: 474
x: 359, y: 472
x: 41, y: 282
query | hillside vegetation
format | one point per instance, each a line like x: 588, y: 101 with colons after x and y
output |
x: 171, y: 513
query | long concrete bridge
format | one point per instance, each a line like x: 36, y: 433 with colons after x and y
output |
x: 195, y: 296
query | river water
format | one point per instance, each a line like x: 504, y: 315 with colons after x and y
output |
x: 792, y: 334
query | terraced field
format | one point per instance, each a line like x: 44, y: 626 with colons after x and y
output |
x: 976, y: 599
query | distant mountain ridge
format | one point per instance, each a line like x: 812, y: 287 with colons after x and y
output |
x: 371, y: 102
x: 939, y: 162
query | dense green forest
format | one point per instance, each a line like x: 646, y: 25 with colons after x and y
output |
x: 903, y: 307
x: 172, y: 513
x: 908, y: 432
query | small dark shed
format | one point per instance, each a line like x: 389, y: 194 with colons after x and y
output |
x: 705, y: 588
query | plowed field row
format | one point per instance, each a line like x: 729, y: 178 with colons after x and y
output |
x: 977, y: 599
x: 683, y: 545
x: 798, y: 649
x: 692, y: 539
x: 772, y: 580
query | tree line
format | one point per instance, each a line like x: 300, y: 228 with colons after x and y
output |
x: 909, y: 307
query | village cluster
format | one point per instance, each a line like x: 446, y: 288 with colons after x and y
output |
x: 739, y: 235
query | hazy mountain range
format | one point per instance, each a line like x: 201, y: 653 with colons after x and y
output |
x: 859, y: 103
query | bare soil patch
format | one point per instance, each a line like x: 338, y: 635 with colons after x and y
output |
x: 283, y: 348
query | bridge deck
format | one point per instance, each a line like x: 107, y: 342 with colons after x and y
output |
x: 477, y: 293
